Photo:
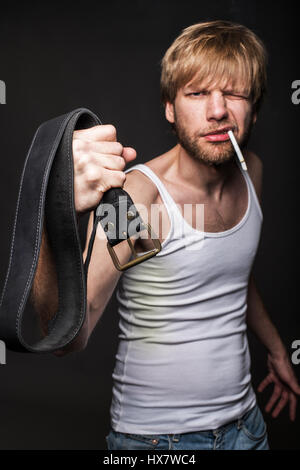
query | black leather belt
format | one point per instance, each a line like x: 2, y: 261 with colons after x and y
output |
x: 47, y: 192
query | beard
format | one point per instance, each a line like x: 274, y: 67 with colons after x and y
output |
x: 210, y: 153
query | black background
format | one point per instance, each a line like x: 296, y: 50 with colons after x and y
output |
x: 105, y: 56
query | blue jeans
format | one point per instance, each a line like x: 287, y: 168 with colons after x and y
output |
x: 246, y: 433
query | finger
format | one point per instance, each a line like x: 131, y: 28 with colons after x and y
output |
x: 276, y: 394
x: 111, y: 179
x: 264, y: 383
x: 111, y: 162
x: 293, y: 406
x: 114, y: 148
x: 101, y: 132
x: 281, y: 404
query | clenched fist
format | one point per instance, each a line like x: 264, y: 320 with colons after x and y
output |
x: 99, y: 161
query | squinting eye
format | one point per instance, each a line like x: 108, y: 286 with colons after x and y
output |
x: 236, y: 95
x: 197, y: 93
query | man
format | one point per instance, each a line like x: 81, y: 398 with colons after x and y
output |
x: 182, y: 374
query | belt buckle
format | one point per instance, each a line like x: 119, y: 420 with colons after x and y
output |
x: 137, y: 259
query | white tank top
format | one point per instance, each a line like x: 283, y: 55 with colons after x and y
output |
x: 183, y: 361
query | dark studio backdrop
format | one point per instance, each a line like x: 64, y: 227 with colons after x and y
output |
x: 105, y: 56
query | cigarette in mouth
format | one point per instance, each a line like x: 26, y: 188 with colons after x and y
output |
x: 238, y: 150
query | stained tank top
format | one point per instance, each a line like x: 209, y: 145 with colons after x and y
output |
x: 183, y: 361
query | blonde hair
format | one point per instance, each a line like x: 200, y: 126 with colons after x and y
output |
x: 213, y: 51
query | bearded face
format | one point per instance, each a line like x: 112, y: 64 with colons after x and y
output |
x: 211, y: 153
x: 201, y: 117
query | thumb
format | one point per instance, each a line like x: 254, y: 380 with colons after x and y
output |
x: 129, y: 154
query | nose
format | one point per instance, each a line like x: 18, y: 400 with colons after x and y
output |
x: 216, y: 107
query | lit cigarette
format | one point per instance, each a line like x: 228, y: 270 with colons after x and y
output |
x: 238, y: 150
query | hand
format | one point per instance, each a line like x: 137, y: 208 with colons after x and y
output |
x: 99, y: 161
x: 286, y: 386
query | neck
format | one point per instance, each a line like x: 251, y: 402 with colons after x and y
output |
x: 208, y: 178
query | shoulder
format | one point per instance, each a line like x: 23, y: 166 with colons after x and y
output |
x: 140, y: 187
x: 255, y: 170
x: 144, y: 194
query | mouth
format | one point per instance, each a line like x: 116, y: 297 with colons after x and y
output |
x: 219, y: 135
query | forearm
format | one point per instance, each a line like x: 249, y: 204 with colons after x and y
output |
x: 44, y: 297
x: 44, y: 292
x: 259, y: 321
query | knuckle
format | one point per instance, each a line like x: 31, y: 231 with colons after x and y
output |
x: 121, y: 162
x: 80, y: 145
x: 104, y: 186
x: 122, y: 176
x: 111, y: 130
x: 92, y: 174
x: 118, y: 148
x: 82, y: 160
x: 76, y: 145
x: 77, y: 133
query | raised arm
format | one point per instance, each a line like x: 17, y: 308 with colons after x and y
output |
x: 95, y: 173
x: 99, y: 161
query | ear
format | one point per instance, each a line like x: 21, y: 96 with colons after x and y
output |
x: 254, y: 118
x: 169, y: 112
